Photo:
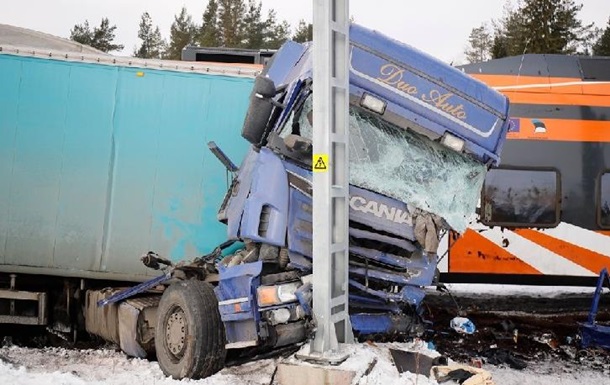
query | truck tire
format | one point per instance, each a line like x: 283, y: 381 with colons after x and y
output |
x: 190, y: 336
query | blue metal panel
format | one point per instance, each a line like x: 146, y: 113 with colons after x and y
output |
x: 381, y: 323
x: 236, y: 203
x: 433, y: 97
x: 240, y: 319
x: 300, y: 227
x: 269, y: 175
x: 284, y: 60
x: 99, y: 164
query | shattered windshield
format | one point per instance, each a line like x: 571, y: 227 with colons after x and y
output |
x: 408, y: 166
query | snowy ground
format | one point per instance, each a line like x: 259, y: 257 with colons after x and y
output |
x: 25, y: 366
x: 55, y: 366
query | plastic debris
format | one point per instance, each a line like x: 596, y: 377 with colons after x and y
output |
x: 462, y: 325
x: 465, y: 375
x: 476, y: 362
x: 547, y: 339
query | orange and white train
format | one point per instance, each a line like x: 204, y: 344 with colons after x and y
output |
x: 544, y: 215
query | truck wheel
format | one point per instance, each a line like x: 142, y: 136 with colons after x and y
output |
x: 190, y: 336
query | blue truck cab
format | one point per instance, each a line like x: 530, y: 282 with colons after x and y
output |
x: 422, y: 136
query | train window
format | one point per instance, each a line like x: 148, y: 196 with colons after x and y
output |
x: 604, y: 201
x: 521, y: 198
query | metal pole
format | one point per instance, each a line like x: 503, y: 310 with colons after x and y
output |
x: 331, y: 175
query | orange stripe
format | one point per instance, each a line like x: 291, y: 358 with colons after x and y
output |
x: 544, y: 85
x: 602, y: 100
x: 473, y: 253
x: 565, y: 130
x: 584, y: 257
x: 515, y: 80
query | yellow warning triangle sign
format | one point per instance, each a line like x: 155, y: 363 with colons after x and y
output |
x: 320, y: 165
x: 320, y: 162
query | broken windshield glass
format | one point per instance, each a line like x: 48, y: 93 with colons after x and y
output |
x: 409, y: 167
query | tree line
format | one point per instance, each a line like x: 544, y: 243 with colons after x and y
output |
x: 224, y: 23
x: 527, y: 26
x: 537, y: 26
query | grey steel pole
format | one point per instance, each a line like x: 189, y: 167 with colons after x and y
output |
x: 331, y: 175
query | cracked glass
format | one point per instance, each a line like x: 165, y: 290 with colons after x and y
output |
x: 408, y: 166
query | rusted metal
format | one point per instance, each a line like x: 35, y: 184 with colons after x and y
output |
x: 25, y: 307
x: 102, y: 321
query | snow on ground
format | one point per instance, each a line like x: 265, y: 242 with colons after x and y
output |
x: 25, y: 366
x: 524, y: 290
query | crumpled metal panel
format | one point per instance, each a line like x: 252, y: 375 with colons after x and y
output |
x: 265, y: 215
x: 237, y: 303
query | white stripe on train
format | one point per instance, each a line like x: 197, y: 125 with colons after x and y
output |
x: 537, y: 256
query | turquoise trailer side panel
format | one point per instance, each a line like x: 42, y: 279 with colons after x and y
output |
x: 99, y: 164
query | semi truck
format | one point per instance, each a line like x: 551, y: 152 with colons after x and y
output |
x: 423, y: 136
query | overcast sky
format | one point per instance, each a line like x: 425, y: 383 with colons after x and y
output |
x: 439, y: 27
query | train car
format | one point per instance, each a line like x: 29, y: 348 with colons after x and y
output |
x: 544, y: 214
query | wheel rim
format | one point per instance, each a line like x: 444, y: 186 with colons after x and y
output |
x: 175, y: 333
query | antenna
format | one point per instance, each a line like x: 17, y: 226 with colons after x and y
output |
x: 522, y: 59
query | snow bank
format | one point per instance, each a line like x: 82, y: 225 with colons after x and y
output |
x: 24, y: 366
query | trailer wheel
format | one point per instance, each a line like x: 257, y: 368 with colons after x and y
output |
x: 190, y: 336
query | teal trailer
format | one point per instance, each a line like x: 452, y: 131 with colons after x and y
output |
x: 104, y: 158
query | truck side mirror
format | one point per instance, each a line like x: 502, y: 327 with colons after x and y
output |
x: 259, y: 110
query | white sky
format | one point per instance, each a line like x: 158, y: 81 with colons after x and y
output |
x: 439, y: 27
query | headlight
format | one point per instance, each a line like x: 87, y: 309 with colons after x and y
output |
x: 453, y: 142
x: 372, y: 103
x: 277, y: 294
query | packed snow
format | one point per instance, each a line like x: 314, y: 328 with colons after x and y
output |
x: 27, y: 366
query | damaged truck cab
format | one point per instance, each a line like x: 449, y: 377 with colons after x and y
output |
x: 422, y: 136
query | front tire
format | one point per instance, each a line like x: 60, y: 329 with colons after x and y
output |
x: 190, y: 336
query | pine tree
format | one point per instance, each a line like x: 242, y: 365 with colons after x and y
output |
x: 208, y: 35
x: 100, y: 38
x: 182, y: 33
x: 103, y: 36
x: 152, y: 46
x: 553, y: 25
x: 602, y: 45
x: 510, y: 34
x: 231, y: 14
x: 540, y: 26
x: 275, y: 33
x: 499, y: 47
x: 81, y: 33
x: 304, y: 32
x: 480, y: 43
x: 254, y: 27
